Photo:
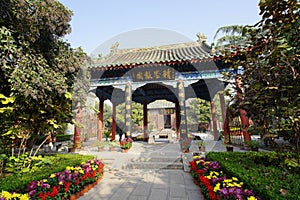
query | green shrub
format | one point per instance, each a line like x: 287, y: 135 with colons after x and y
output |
x: 255, y: 169
x: 18, y: 182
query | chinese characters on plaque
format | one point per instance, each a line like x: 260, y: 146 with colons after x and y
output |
x: 153, y: 74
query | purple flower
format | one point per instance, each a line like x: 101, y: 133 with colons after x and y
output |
x: 31, y: 193
x: 224, y: 192
x: 214, y: 165
x: 2, y: 198
x: 74, y: 176
x: 44, y: 185
x: 32, y: 185
x: 61, y: 178
x: 248, y: 193
x: 238, y: 193
x: 57, y: 173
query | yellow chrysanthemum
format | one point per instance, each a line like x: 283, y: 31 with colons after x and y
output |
x: 24, y: 197
x: 234, y: 178
x: 252, y: 198
x: 237, y: 185
x: 83, y: 163
x: 197, y: 162
x: 81, y: 171
x: 6, y: 194
x: 227, y: 180
x: 45, y: 180
x: 217, y: 187
x: 52, y: 175
x: 209, y: 177
x: 230, y: 185
x: 195, y: 157
x: 60, y: 183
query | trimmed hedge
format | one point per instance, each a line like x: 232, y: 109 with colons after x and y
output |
x: 19, y: 182
x: 261, y: 172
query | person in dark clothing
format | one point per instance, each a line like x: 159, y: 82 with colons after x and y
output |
x: 120, y: 132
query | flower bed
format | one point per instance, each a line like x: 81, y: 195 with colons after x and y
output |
x: 215, y: 184
x: 61, y: 185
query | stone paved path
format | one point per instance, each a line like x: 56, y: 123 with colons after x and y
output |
x: 146, y: 184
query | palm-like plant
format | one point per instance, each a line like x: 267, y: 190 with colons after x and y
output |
x: 233, y: 34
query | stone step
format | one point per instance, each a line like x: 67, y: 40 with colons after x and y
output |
x: 154, y: 165
x: 157, y: 159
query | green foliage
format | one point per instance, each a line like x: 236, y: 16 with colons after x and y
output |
x: 271, y: 70
x: 19, y: 181
x: 38, y: 68
x: 232, y: 34
x: 25, y: 163
x: 137, y: 113
x: 199, y: 111
x: 260, y: 172
x: 253, y: 143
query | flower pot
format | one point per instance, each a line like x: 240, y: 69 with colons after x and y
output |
x: 125, y: 150
x: 185, y: 150
x: 229, y: 148
x: 202, y: 149
x: 73, y: 197
x: 111, y: 148
x: 100, y: 149
x: 71, y: 149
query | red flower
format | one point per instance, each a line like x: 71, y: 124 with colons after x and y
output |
x: 54, y: 192
x: 67, y: 186
x: 43, y: 196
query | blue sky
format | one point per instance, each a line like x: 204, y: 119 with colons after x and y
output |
x: 97, y: 24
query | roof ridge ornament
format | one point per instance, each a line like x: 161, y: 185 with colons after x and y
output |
x: 114, y: 47
x: 201, y: 37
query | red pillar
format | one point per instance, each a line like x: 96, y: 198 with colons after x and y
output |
x: 77, y: 140
x: 177, y: 112
x: 100, y: 120
x: 114, y: 124
x: 214, y: 120
x: 145, y: 113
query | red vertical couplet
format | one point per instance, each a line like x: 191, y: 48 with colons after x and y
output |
x: 243, y: 113
x: 114, y: 124
x: 145, y: 113
x: 100, y: 119
x: 78, y: 118
x: 214, y: 120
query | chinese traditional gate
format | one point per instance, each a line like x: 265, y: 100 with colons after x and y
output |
x: 173, y: 72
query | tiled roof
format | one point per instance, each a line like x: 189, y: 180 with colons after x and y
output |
x: 193, y: 51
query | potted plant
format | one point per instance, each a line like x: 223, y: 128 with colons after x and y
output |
x: 100, y: 145
x: 185, y: 144
x: 253, y: 144
x: 112, y: 145
x: 126, y: 144
x: 201, y: 145
x: 228, y: 145
x: 71, y: 147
